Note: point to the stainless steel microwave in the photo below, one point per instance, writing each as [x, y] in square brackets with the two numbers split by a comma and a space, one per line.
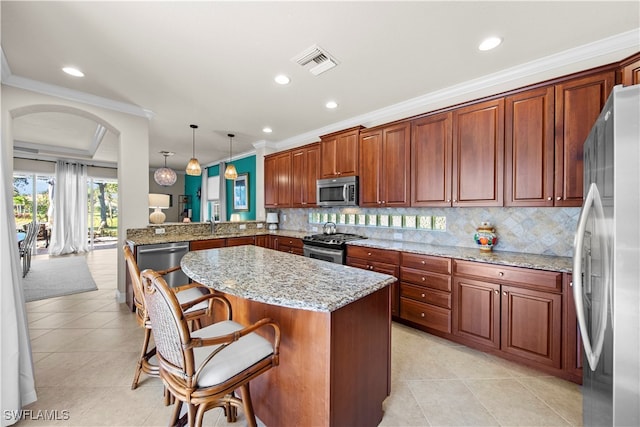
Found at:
[338, 191]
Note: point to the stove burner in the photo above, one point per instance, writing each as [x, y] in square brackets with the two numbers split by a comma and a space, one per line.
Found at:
[337, 240]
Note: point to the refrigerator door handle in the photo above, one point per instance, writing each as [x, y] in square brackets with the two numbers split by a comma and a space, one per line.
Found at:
[592, 201]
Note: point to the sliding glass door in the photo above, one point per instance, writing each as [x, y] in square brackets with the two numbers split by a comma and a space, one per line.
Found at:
[102, 213]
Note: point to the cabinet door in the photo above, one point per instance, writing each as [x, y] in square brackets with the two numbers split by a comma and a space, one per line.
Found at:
[431, 153]
[572, 341]
[395, 173]
[384, 268]
[476, 311]
[270, 182]
[262, 241]
[478, 154]
[339, 154]
[532, 325]
[305, 166]
[578, 105]
[529, 144]
[371, 161]
[630, 73]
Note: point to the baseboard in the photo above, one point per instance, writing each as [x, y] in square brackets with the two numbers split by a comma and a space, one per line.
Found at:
[120, 297]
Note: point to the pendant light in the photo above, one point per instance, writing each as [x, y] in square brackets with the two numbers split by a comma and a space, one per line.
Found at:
[230, 172]
[165, 176]
[193, 168]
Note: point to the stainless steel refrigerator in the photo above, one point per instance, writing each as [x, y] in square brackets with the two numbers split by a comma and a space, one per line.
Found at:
[606, 264]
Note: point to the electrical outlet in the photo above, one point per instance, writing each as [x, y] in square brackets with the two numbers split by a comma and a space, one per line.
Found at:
[284, 217]
[314, 228]
[397, 236]
[159, 230]
[242, 226]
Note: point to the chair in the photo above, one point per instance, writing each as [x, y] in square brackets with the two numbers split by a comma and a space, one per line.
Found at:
[203, 368]
[26, 247]
[201, 296]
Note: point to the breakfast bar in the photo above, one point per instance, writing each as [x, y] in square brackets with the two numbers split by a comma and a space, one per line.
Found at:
[335, 353]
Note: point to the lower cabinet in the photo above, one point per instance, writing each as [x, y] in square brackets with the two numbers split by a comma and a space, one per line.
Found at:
[292, 245]
[198, 245]
[239, 241]
[381, 261]
[514, 310]
[262, 240]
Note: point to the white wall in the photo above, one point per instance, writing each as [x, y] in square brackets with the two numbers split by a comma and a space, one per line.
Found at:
[133, 158]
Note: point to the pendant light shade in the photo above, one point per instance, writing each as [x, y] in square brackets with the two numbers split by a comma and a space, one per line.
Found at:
[193, 167]
[230, 172]
[165, 176]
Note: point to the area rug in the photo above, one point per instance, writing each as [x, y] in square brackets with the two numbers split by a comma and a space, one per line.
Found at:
[51, 277]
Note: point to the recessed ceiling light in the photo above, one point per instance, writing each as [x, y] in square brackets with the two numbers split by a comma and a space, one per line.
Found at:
[267, 130]
[72, 71]
[281, 79]
[490, 43]
[331, 105]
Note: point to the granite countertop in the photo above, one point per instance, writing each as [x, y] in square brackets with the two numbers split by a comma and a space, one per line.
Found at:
[281, 279]
[513, 259]
[186, 237]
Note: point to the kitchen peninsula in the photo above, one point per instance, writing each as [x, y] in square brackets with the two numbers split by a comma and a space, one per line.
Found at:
[336, 332]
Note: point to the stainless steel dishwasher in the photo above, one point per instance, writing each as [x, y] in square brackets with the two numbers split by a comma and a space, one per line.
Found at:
[163, 256]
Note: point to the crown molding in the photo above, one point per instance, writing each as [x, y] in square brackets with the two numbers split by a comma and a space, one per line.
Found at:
[605, 51]
[19, 82]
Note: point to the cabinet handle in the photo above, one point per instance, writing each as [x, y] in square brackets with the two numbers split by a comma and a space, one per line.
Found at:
[496, 292]
[500, 274]
[504, 293]
[423, 279]
[421, 314]
[339, 173]
[423, 262]
[423, 295]
[571, 284]
[558, 198]
[369, 253]
[448, 200]
[371, 267]
[454, 200]
[379, 202]
[549, 198]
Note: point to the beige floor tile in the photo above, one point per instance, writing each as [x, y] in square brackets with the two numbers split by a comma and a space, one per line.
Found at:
[401, 408]
[512, 404]
[32, 316]
[563, 396]
[55, 320]
[58, 339]
[450, 403]
[96, 319]
[35, 333]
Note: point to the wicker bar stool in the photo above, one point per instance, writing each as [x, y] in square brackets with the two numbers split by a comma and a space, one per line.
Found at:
[203, 368]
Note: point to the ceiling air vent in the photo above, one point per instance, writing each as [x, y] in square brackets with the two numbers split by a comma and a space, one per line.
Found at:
[315, 59]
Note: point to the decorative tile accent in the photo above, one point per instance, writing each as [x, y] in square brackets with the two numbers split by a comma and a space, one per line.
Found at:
[396, 220]
[440, 223]
[383, 220]
[342, 218]
[425, 222]
[361, 219]
[325, 217]
[316, 217]
[333, 217]
[372, 220]
[351, 219]
[409, 221]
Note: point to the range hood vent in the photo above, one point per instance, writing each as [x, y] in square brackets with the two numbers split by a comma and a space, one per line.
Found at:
[315, 59]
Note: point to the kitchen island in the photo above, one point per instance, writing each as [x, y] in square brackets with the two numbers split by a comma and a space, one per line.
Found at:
[335, 353]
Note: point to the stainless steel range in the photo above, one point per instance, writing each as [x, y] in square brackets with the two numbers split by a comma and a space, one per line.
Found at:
[328, 247]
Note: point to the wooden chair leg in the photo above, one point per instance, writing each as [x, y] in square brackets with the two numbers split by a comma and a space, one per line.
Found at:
[175, 417]
[248, 406]
[143, 355]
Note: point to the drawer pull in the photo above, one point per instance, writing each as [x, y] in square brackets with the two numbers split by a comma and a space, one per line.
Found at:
[422, 295]
[500, 274]
[504, 293]
[423, 262]
[369, 253]
[423, 279]
[421, 314]
[496, 291]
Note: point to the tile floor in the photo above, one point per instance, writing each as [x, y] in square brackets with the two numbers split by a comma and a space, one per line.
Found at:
[85, 348]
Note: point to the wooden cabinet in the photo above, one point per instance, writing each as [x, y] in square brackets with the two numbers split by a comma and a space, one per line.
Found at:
[514, 310]
[381, 261]
[292, 245]
[239, 241]
[478, 154]
[262, 240]
[529, 148]
[277, 180]
[198, 245]
[578, 103]
[339, 153]
[630, 70]
[384, 175]
[572, 358]
[431, 164]
[425, 292]
[305, 171]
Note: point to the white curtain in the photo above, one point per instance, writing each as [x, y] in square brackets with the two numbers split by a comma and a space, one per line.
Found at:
[69, 233]
[223, 193]
[204, 205]
[17, 387]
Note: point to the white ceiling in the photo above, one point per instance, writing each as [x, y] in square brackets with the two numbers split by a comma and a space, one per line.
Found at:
[213, 64]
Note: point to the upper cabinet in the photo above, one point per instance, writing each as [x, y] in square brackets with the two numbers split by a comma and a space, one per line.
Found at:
[528, 150]
[478, 154]
[305, 171]
[431, 165]
[277, 180]
[384, 175]
[339, 153]
[578, 103]
[630, 71]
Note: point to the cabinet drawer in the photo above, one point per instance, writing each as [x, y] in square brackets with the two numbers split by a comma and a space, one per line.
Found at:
[426, 262]
[238, 241]
[425, 314]
[537, 279]
[197, 245]
[441, 299]
[422, 278]
[290, 241]
[381, 255]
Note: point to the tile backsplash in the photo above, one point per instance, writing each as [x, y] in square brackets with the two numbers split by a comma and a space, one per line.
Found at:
[546, 231]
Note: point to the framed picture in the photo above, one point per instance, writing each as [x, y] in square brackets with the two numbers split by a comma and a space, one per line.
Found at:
[241, 192]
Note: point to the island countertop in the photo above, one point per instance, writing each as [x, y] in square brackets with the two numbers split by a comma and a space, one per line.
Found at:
[277, 278]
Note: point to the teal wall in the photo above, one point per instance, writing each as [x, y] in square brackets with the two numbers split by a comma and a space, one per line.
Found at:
[245, 165]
